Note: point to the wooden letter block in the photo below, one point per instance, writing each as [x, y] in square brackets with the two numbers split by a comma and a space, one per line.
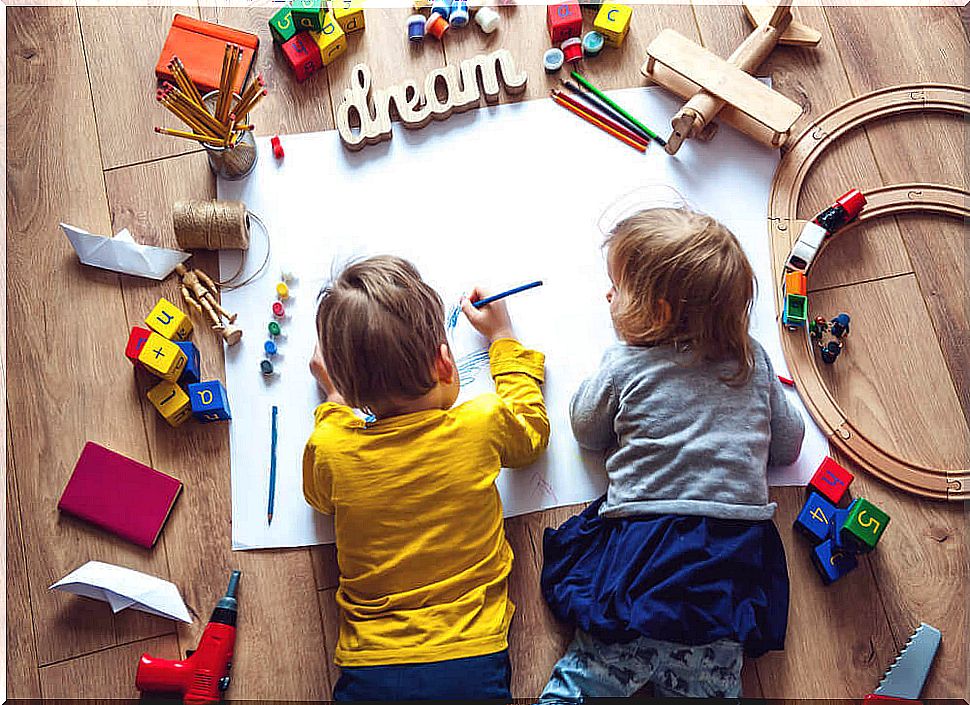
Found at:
[210, 402]
[162, 358]
[831, 480]
[193, 368]
[864, 526]
[835, 529]
[613, 22]
[281, 26]
[171, 402]
[331, 41]
[303, 56]
[814, 519]
[349, 14]
[564, 21]
[308, 14]
[169, 320]
[832, 563]
[136, 341]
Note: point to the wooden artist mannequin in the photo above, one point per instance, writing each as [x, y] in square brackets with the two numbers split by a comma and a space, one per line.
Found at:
[198, 291]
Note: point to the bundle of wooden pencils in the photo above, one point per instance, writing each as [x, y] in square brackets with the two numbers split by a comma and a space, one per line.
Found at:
[221, 123]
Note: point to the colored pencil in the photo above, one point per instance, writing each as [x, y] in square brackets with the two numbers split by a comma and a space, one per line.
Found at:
[593, 101]
[606, 99]
[272, 469]
[187, 135]
[622, 129]
[592, 120]
[496, 297]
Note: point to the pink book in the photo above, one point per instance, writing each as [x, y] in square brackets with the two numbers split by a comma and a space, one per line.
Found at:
[120, 495]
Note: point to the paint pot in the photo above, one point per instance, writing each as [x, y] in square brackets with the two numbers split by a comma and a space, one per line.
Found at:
[416, 28]
[278, 309]
[572, 49]
[459, 14]
[269, 347]
[553, 60]
[593, 43]
[436, 26]
[487, 19]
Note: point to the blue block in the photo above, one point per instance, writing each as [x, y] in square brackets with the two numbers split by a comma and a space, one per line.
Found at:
[193, 368]
[815, 518]
[835, 529]
[832, 563]
[209, 401]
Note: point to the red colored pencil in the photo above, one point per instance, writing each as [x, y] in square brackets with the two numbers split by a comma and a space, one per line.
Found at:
[622, 129]
[591, 119]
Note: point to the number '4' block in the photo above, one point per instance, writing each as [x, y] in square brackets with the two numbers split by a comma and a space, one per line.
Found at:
[209, 401]
[308, 14]
[613, 22]
[832, 563]
[349, 14]
[864, 525]
[564, 21]
[136, 341]
[815, 518]
[193, 368]
[331, 41]
[281, 26]
[303, 56]
[831, 480]
[172, 403]
[162, 357]
[169, 320]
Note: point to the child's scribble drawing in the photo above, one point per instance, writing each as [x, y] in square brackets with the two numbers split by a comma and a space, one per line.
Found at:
[470, 365]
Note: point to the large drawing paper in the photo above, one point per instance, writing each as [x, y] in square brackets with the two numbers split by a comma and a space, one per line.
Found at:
[498, 196]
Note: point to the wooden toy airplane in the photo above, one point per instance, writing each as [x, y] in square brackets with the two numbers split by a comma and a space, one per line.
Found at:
[725, 88]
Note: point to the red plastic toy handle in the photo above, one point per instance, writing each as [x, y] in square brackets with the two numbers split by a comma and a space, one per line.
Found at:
[161, 675]
[888, 699]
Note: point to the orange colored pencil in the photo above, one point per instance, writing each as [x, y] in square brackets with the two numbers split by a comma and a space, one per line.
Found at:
[602, 118]
[591, 119]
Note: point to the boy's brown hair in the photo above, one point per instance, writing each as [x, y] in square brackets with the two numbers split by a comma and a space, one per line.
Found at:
[689, 262]
[380, 328]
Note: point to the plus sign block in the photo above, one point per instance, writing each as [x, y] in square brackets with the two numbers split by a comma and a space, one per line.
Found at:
[171, 402]
[330, 40]
[613, 22]
[169, 320]
[162, 358]
[564, 21]
[210, 402]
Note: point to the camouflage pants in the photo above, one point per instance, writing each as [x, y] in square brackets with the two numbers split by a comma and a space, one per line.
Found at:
[592, 668]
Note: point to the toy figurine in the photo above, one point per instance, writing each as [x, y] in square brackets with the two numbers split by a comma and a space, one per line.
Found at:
[199, 292]
[838, 328]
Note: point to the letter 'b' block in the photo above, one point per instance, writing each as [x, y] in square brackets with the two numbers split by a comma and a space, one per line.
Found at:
[564, 21]
[331, 41]
[303, 56]
[172, 403]
[210, 402]
[162, 358]
[169, 320]
[613, 22]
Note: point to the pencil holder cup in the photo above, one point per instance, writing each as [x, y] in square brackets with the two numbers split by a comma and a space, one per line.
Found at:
[234, 162]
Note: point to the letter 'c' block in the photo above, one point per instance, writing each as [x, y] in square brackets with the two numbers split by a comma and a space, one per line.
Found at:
[613, 22]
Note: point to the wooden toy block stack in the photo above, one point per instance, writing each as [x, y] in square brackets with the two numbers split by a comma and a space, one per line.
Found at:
[163, 349]
[838, 529]
[312, 35]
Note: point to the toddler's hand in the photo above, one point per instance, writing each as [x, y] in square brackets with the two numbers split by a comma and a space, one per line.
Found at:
[318, 368]
[492, 320]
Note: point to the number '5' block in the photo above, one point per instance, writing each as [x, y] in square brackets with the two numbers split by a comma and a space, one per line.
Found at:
[210, 402]
[331, 41]
[613, 22]
[814, 519]
[162, 357]
[564, 21]
[864, 526]
[169, 320]
[172, 403]
[831, 480]
[281, 26]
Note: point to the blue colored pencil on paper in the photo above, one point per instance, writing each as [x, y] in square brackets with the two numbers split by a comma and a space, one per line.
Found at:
[516, 290]
[272, 471]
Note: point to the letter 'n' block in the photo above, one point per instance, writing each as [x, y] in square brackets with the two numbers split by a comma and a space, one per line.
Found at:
[564, 21]
[831, 480]
[210, 402]
[169, 320]
[171, 402]
[303, 56]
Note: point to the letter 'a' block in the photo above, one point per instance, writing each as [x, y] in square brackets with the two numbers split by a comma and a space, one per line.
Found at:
[282, 26]
[814, 519]
[303, 56]
[349, 14]
[136, 341]
[169, 320]
[864, 526]
[162, 358]
[308, 14]
[832, 563]
[330, 40]
[564, 21]
[171, 402]
[210, 402]
[613, 22]
[831, 480]
[193, 368]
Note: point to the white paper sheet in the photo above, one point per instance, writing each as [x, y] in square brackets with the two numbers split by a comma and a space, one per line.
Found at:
[498, 196]
[122, 588]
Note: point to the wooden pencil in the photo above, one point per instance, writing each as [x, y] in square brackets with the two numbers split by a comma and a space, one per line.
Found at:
[245, 110]
[600, 124]
[599, 105]
[223, 78]
[208, 139]
[193, 89]
[585, 82]
[622, 129]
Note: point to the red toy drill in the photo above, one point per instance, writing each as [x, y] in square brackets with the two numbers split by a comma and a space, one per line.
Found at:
[204, 674]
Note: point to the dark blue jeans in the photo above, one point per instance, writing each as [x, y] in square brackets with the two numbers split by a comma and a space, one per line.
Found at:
[472, 678]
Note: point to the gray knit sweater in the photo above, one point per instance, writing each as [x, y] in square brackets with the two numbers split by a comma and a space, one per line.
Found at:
[681, 441]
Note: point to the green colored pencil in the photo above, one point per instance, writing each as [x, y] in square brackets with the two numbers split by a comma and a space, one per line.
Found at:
[606, 99]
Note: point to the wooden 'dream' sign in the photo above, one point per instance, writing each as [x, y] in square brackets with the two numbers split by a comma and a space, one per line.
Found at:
[464, 86]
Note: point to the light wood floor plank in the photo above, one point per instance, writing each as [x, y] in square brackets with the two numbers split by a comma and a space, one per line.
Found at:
[59, 397]
[330, 615]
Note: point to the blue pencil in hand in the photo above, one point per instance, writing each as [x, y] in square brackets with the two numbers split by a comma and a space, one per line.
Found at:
[525, 287]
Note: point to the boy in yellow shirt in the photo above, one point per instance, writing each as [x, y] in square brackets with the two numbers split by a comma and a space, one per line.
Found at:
[421, 547]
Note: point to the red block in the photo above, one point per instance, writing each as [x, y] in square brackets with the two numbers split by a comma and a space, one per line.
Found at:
[136, 341]
[303, 56]
[277, 147]
[564, 21]
[831, 480]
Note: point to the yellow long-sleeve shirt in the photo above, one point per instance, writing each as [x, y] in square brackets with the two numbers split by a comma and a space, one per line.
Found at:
[420, 541]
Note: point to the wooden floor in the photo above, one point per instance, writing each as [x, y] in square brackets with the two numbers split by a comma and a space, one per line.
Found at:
[80, 149]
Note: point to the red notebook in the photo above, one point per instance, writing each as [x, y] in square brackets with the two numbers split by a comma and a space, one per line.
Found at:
[120, 495]
[201, 46]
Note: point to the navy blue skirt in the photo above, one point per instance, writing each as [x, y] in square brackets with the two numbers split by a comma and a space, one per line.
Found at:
[686, 579]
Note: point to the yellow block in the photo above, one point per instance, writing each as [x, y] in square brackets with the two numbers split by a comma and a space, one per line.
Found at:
[331, 40]
[169, 320]
[172, 403]
[162, 358]
[349, 14]
[613, 22]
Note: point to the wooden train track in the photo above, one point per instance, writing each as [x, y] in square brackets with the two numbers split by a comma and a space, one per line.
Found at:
[784, 227]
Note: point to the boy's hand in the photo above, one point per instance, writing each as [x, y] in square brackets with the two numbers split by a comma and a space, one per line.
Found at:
[492, 320]
[318, 368]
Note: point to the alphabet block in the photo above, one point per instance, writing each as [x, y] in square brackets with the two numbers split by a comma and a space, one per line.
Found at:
[136, 341]
[613, 22]
[832, 563]
[162, 358]
[308, 14]
[282, 26]
[210, 402]
[349, 14]
[303, 55]
[193, 368]
[169, 320]
[831, 480]
[564, 21]
[171, 402]
[815, 518]
[864, 525]
[330, 40]
[835, 529]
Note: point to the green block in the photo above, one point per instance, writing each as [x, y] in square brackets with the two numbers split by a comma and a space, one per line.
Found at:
[796, 310]
[308, 14]
[281, 26]
[864, 525]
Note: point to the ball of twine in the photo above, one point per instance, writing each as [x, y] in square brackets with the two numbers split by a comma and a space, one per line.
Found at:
[211, 225]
